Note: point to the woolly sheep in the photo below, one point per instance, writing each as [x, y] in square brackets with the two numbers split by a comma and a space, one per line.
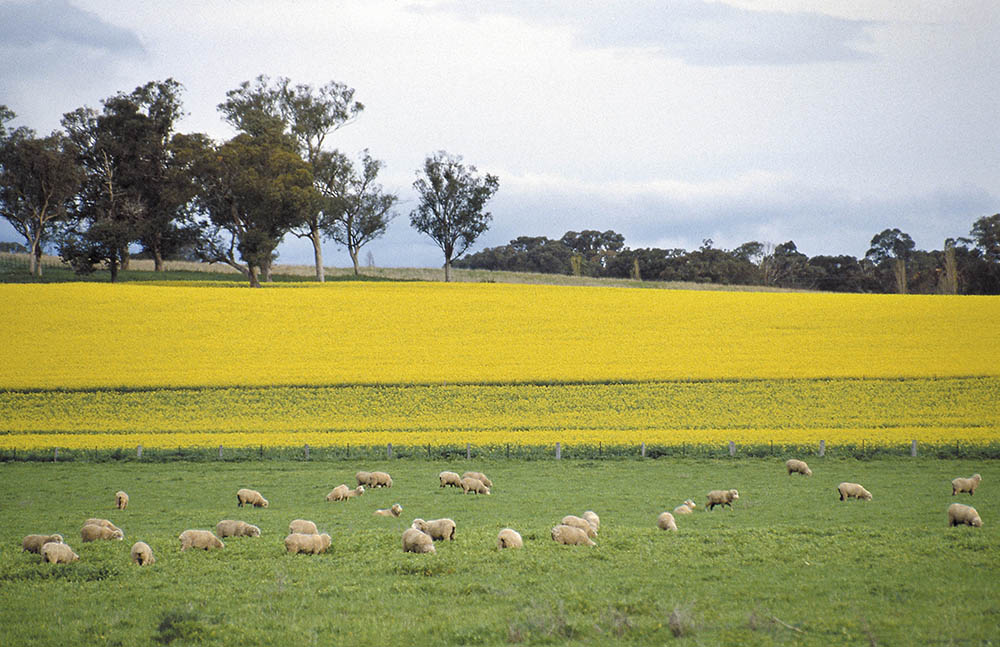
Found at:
[91, 532]
[58, 553]
[253, 497]
[34, 543]
[479, 476]
[203, 539]
[142, 554]
[686, 508]
[311, 544]
[390, 512]
[666, 522]
[470, 484]
[233, 528]
[848, 490]
[579, 522]
[438, 529]
[104, 523]
[722, 497]
[571, 536]
[343, 493]
[381, 479]
[302, 527]
[509, 538]
[450, 478]
[795, 466]
[121, 500]
[969, 485]
[959, 514]
[415, 541]
[364, 478]
[592, 518]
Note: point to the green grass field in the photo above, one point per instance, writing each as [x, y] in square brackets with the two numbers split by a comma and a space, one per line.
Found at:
[790, 565]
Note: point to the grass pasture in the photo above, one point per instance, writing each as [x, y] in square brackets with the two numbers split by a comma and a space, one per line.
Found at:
[790, 565]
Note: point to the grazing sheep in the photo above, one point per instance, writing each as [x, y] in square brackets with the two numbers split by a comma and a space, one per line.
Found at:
[142, 554]
[592, 518]
[959, 514]
[253, 497]
[509, 538]
[848, 490]
[231, 528]
[381, 479]
[34, 543]
[104, 523]
[58, 553]
[686, 508]
[722, 497]
[666, 522]
[969, 485]
[450, 478]
[470, 484]
[390, 512]
[343, 493]
[311, 544]
[415, 541]
[571, 536]
[438, 529]
[203, 539]
[91, 532]
[795, 466]
[364, 478]
[479, 476]
[302, 527]
[121, 500]
[579, 522]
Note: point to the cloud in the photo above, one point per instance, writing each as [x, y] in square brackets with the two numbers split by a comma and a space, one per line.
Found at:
[47, 22]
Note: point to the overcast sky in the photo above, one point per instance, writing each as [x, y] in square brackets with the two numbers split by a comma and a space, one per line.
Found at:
[817, 121]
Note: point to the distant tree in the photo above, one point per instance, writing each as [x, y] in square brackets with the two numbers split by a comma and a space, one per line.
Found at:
[892, 247]
[452, 198]
[986, 236]
[595, 248]
[12, 248]
[839, 274]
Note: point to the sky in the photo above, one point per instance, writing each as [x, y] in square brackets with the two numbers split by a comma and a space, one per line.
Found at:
[822, 122]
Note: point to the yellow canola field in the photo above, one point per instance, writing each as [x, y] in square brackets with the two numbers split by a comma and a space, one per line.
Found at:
[74, 336]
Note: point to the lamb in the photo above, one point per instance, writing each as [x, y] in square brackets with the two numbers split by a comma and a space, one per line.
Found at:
[104, 523]
[582, 524]
[474, 485]
[253, 497]
[509, 538]
[848, 490]
[796, 466]
[686, 508]
[311, 544]
[203, 539]
[90, 532]
[121, 500]
[969, 485]
[571, 536]
[302, 527]
[479, 476]
[450, 478]
[58, 553]
[343, 493]
[142, 554]
[592, 518]
[390, 512]
[381, 479]
[666, 522]
[231, 528]
[364, 478]
[722, 497]
[34, 543]
[415, 541]
[438, 529]
[959, 514]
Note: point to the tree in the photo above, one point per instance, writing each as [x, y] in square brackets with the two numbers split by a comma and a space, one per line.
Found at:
[355, 210]
[892, 246]
[986, 235]
[452, 199]
[595, 248]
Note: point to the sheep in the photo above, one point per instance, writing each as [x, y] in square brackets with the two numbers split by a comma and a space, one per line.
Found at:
[666, 522]
[203, 539]
[592, 518]
[381, 479]
[58, 553]
[509, 538]
[582, 524]
[479, 476]
[232, 528]
[121, 500]
[415, 541]
[450, 478]
[571, 536]
[390, 512]
[104, 523]
[343, 493]
[959, 514]
[298, 542]
[969, 485]
[302, 527]
[253, 497]
[686, 508]
[364, 478]
[474, 485]
[438, 529]
[848, 490]
[795, 466]
[722, 497]
[34, 543]
[90, 532]
[142, 554]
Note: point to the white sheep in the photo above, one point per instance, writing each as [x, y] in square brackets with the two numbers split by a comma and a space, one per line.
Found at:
[233, 528]
[969, 485]
[302, 527]
[571, 536]
[509, 538]
[450, 479]
[686, 508]
[415, 541]
[666, 522]
[343, 493]
[470, 484]
[592, 519]
[93, 521]
[142, 554]
[91, 532]
[581, 523]
[364, 478]
[849, 490]
[722, 497]
[58, 553]
[394, 511]
[121, 500]
[34, 543]
[203, 539]
[381, 479]
[959, 514]
[795, 466]
[438, 529]
[310, 544]
[479, 476]
[253, 497]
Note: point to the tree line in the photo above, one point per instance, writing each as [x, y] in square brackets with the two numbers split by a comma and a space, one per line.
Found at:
[122, 177]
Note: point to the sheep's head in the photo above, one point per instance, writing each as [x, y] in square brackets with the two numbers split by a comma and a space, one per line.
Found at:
[419, 524]
[359, 490]
[263, 503]
[977, 478]
[396, 509]
[253, 531]
[866, 495]
[118, 534]
[734, 494]
[691, 504]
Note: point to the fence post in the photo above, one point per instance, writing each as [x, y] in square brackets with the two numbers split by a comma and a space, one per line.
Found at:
[822, 448]
[388, 450]
[428, 450]
[508, 450]
[307, 451]
[558, 451]
[732, 448]
[468, 452]
[138, 452]
[643, 452]
[55, 455]
[913, 448]
[220, 452]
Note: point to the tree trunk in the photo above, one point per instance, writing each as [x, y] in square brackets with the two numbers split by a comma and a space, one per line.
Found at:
[124, 256]
[113, 266]
[950, 270]
[317, 254]
[265, 271]
[447, 270]
[33, 258]
[157, 260]
[354, 258]
[900, 272]
[254, 281]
